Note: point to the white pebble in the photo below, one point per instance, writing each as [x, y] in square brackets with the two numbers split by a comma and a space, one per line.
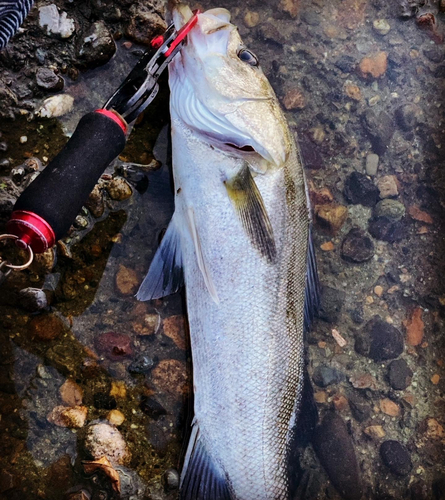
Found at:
[23, 139]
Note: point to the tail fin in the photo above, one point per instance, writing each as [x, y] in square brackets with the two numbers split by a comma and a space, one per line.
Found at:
[202, 478]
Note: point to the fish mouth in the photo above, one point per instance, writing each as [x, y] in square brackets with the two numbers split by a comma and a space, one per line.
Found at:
[246, 148]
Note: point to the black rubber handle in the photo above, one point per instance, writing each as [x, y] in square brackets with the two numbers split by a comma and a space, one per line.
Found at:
[59, 192]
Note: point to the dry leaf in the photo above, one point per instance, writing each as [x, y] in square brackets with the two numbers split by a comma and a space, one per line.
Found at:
[104, 465]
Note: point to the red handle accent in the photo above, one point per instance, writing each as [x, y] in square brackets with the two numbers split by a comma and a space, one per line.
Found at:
[31, 230]
[115, 117]
[183, 32]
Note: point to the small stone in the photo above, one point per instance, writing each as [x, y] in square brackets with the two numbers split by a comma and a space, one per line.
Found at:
[380, 129]
[375, 432]
[170, 376]
[251, 19]
[386, 229]
[171, 479]
[46, 327]
[391, 209]
[328, 246]
[149, 326]
[335, 450]
[359, 189]
[175, 327]
[95, 203]
[353, 92]
[46, 79]
[115, 346]
[363, 381]
[346, 63]
[119, 189]
[103, 401]
[414, 327]
[340, 402]
[320, 397]
[357, 246]
[103, 439]
[144, 23]
[73, 418]
[373, 67]
[115, 417]
[141, 364]
[331, 216]
[291, 7]
[325, 375]
[360, 410]
[372, 164]
[388, 186]
[434, 53]
[96, 45]
[379, 340]
[56, 105]
[118, 389]
[332, 301]
[33, 299]
[435, 379]
[419, 215]
[127, 281]
[408, 116]
[390, 408]
[152, 408]
[378, 290]
[78, 495]
[399, 374]
[23, 139]
[56, 24]
[396, 457]
[431, 429]
[294, 99]
[381, 26]
[71, 393]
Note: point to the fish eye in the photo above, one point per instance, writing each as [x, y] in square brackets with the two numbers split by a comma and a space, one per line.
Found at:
[248, 57]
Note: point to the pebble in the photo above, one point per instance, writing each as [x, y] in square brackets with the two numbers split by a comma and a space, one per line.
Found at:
[375, 432]
[7, 481]
[360, 410]
[325, 375]
[115, 417]
[328, 246]
[119, 189]
[103, 401]
[414, 327]
[331, 216]
[103, 439]
[294, 99]
[291, 7]
[435, 379]
[379, 340]
[399, 374]
[434, 53]
[357, 246]
[56, 23]
[17, 174]
[359, 189]
[396, 457]
[141, 364]
[127, 281]
[71, 393]
[408, 116]
[390, 408]
[363, 381]
[378, 290]
[46, 327]
[118, 389]
[33, 299]
[382, 228]
[115, 346]
[96, 45]
[144, 23]
[372, 164]
[353, 92]
[251, 19]
[149, 326]
[170, 376]
[175, 327]
[373, 67]
[152, 408]
[331, 304]
[346, 63]
[388, 186]
[23, 139]
[431, 429]
[335, 450]
[171, 479]
[79, 495]
[419, 215]
[56, 105]
[95, 203]
[391, 209]
[73, 418]
[48, 80]
[381, 26]
[380, 129]
[340, 402]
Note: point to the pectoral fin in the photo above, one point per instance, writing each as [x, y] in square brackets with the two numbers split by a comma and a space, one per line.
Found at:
[249, 206]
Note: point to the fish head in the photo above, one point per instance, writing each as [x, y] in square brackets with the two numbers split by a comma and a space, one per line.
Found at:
[219, 90]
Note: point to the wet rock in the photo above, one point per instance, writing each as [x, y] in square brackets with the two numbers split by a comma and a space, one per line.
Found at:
[8, 100]
[60, 473]
[381, 26]
[95, 203]
[434, 53]
[353, 92]
[127, 281]
[73, 418]
[396, 457]
[294, 99]
[96, 45]
[331, 216]
[325, 375]
[17, 174]
[46, 327]
[359, 189]
[372, 164]
[346, 63]
[379, 340]
[391, 209]
[375, 432]
[310, 17]
[408, 116]
[71, 393]
[373, 67]
[170, 479]
[114, 346]
[332, 301]
[115, 417]
[170, 376]
[48, 80]
[251, 19]
[414, 327]
[389, 408]
[417, 214]
[118, 389]
[145, 23]
[360, 409]
[56, 24]
[175, 327]
[78, 495]
[119, 189]
[149, 326]
[312, 157]
[388, 186]
[56, 105]
[141, 364]
[363, 381]
[386, 229]
[103, 401]
[399, 374]
[357, 246]
[335, 450]
[380, 129]
[420, 491]
[152, 408]
[103, 439]
[33, 299]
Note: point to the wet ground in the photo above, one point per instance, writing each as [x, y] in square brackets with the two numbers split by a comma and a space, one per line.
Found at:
[87, 371]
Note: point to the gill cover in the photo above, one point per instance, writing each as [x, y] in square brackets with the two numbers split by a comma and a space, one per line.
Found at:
[221, 97]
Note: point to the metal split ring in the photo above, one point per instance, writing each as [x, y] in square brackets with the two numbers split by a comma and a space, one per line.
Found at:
[13, 267]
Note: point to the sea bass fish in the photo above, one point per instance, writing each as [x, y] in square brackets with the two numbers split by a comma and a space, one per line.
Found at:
[239, 240]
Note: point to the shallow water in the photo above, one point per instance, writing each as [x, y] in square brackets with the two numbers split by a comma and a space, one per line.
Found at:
[134, 357]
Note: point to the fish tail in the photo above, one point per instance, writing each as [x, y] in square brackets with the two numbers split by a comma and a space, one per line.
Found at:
[12, 15]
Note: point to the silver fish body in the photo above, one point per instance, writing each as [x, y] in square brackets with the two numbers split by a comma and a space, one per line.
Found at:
[245, 303]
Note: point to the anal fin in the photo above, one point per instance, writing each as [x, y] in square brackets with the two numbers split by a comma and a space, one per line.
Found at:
[312, 291]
